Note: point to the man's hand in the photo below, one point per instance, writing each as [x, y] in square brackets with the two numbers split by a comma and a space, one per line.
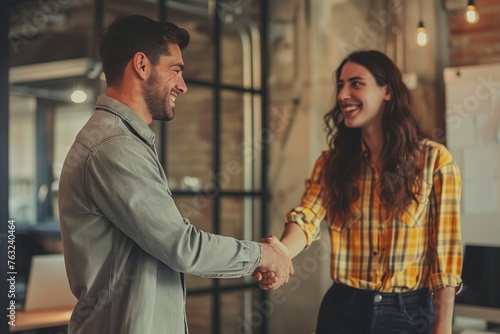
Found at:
[275, 267]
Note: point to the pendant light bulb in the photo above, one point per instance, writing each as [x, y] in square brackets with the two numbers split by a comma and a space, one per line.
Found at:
[471, 14]
[422, 37]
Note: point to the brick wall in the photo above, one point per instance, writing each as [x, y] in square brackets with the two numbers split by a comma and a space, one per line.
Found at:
[475, 43]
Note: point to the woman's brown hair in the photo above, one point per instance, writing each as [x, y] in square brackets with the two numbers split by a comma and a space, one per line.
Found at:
[401, 172]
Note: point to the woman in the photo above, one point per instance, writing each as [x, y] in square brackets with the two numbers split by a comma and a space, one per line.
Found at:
[391, 201]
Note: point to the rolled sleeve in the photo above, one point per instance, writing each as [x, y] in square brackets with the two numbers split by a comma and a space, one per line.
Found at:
[439, 281]
[447, 263]
[311, 212]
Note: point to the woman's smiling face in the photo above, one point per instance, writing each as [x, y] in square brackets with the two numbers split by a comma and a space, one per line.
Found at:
[360, 98]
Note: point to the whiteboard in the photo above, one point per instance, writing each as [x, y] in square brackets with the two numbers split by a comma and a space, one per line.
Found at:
[473, 137]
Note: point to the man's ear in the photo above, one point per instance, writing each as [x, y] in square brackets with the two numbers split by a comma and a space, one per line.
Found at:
[141, 65]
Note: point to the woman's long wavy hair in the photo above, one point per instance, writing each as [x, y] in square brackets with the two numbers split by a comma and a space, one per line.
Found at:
[401, 172]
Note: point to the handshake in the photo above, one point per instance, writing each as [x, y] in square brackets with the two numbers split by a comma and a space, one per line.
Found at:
[275, 267]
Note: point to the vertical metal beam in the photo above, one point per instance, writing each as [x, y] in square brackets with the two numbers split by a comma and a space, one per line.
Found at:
[98, 24]
[442, 61]
[162, 127]
[265, 124]
[216, 135]
[4, 158]
[400, 37]
[162, 4]
[97, 86]
[42, 182]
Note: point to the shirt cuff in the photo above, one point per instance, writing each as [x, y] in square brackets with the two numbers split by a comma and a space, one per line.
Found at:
[443, 280]
[255, 250]
[298, 218]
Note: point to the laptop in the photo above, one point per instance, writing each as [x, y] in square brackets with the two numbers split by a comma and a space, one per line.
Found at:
[48, 286]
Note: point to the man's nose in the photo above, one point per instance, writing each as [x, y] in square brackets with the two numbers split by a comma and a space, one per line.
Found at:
[181, 85]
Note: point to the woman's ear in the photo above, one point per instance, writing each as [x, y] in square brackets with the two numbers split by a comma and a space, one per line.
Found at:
[388, 95]
[141, 65]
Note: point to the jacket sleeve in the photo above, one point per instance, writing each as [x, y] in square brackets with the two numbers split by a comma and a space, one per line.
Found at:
[124, 184]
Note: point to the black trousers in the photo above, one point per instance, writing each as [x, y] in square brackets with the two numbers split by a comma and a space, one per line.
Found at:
[346, 310]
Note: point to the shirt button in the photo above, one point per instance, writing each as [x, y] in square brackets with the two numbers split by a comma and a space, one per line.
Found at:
[377, 298]
[380, 228]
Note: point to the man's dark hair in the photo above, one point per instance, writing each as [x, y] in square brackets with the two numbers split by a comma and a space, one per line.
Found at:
[131, 34]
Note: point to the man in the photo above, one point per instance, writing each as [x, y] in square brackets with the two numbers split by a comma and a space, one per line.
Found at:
[126, 245]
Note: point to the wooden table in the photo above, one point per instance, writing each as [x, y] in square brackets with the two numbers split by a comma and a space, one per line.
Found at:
[28, 320]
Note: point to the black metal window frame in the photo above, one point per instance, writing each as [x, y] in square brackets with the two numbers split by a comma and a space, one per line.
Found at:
[4, 158]
[216, 289]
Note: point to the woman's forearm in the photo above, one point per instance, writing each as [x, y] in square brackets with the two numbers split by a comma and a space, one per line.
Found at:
[444, 300]
[294, 239]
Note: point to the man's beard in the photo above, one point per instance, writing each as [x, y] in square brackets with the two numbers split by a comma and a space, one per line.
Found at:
[156, 100]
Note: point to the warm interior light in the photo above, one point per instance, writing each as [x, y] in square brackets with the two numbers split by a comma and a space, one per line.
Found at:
[471, 14]
[78, 96]
[422, 38]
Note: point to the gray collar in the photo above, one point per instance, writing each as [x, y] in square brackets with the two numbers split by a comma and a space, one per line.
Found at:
[127, 115]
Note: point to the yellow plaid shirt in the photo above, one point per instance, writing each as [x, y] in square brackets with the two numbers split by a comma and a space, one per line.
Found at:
[420, 249]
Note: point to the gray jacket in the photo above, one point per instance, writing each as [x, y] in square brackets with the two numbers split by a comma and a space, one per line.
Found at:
[125, 243]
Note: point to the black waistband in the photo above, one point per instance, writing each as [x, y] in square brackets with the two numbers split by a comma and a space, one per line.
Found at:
[361, 296]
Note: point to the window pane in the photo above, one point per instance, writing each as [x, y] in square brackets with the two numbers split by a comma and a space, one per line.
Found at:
[240, 219]
[242, 311]
[232, 306]
[117, 8]
[52, 86]
[199, 314]
[41, 31]
[194, 283]
[240, 140]
[188, 143]
[236, 54]
[22, 200]
[198, 56]
[68, 121]
[198, 209]
[252, 12]
[240, 42]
